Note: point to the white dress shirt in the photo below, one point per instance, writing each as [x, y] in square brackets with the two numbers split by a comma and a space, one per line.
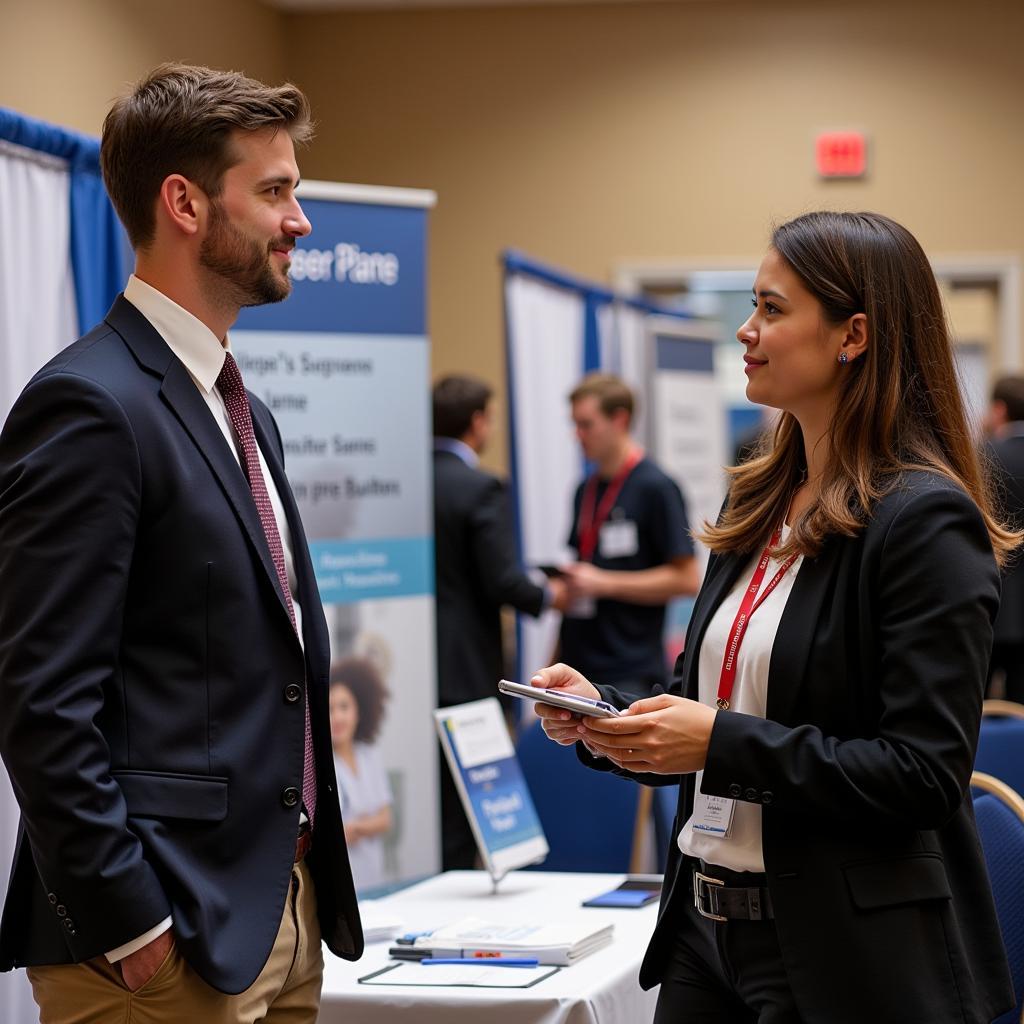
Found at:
[457, 447]
[202, 353]
[741, 849]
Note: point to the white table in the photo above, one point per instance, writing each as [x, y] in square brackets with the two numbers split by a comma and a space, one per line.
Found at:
[600, 989]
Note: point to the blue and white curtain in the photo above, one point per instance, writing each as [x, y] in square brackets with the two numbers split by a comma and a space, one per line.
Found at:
[63, 259]
[558, 328]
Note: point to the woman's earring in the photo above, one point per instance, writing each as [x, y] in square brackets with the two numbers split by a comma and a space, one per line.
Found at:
[843, 358]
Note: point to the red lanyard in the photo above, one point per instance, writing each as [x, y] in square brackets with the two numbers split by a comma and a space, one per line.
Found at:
[750, 603]
[588, 527]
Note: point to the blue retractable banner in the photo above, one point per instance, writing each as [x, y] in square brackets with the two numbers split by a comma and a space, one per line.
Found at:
[344, 365]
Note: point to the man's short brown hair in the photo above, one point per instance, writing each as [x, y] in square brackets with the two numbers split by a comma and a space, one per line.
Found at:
[179, 120]
[456, 400]
[611, 392]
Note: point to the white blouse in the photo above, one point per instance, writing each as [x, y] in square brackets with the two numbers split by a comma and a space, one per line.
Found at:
[740, 850]
[363, 792]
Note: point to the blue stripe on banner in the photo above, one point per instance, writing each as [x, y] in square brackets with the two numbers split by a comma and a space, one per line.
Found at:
[653, 309]
[685, 354]
[517, 263]
[591, 334]
[364, 570]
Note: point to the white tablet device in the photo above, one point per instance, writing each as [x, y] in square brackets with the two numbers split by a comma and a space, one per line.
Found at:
[559, 699]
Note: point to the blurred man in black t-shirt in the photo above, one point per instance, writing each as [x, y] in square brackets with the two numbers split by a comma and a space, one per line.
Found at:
[632, 537]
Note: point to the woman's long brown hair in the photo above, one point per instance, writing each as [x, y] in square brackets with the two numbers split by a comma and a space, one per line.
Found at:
[898, 406]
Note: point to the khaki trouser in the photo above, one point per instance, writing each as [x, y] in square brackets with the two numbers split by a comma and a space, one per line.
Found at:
[287, 990]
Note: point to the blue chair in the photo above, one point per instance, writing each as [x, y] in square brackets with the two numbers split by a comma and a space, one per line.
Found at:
[1001, 743]
[588, 817]
[999, 812]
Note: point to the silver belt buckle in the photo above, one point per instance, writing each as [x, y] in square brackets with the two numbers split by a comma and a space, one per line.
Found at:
[708, 881]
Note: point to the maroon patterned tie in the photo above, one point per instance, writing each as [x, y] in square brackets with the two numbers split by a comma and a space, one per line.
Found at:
[232, 390]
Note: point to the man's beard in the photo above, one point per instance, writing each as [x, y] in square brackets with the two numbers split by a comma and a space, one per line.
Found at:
[243, 263]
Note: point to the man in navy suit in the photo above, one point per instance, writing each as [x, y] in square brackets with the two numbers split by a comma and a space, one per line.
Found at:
[163, 652]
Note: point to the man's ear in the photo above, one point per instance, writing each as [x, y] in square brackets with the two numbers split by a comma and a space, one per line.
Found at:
[854, 342]
[182, 204]
[479, 422]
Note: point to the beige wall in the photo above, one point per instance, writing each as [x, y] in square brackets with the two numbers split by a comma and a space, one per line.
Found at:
[65, 60]
[594, 136]
[590, 137]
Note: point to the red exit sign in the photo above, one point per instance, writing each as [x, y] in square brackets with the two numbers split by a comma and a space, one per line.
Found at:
[841, 154]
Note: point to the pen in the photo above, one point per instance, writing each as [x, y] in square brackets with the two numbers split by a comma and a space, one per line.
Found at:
[485, 961]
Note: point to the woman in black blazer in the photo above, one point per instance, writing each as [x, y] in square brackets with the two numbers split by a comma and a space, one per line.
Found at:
[827, 868]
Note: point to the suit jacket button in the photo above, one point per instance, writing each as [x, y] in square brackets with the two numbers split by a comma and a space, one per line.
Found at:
[767, 796]
[290, 797]
[735, 789]
[52, 897]
[62, 911]
[292, 692]
[751, 794]
[69, 924]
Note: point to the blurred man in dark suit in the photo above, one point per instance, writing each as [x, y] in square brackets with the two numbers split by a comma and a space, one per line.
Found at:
[1005, 427]
[478, 571]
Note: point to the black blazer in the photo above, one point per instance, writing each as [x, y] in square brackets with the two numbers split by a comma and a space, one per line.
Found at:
[150, 678]
[881, 895]
[1008, 460]
[478, 571]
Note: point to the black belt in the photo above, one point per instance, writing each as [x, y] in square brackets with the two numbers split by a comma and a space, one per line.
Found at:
[718, 900]
[303, 843]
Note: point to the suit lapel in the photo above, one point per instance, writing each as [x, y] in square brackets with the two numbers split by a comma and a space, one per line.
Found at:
[796, 631]
[182, 396]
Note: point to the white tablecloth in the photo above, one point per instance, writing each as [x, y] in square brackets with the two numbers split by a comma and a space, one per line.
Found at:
[600, 989]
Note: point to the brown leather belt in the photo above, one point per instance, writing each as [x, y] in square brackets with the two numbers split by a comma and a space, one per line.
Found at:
[303, 843]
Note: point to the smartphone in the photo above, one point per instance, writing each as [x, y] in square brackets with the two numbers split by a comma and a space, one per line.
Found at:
[551, 571]
[558, 699]
[636, 891]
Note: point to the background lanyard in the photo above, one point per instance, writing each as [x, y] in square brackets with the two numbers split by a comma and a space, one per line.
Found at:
[588, 527]
[750, 603]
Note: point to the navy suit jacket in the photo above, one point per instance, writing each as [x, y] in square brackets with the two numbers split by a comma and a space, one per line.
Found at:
[882, 901]
[150, 678]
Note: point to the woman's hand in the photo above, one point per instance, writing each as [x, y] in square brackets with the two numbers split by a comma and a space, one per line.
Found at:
[665, 735]
[559, 724]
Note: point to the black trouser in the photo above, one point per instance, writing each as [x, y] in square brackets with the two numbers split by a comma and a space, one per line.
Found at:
[1009, 657]
[727, 972]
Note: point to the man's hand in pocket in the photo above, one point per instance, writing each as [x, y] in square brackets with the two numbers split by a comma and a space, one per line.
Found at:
[137, 968]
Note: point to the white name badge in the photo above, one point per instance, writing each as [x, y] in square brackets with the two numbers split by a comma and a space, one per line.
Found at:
[582, 608]
[712, 815]
[619, 539]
